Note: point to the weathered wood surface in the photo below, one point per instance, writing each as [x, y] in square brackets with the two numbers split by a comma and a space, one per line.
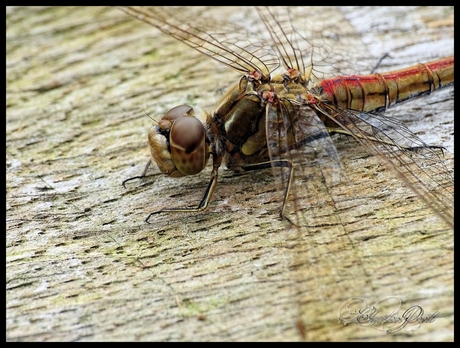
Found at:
[81, 264]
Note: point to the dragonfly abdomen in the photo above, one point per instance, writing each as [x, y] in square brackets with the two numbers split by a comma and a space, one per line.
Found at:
[377, 92]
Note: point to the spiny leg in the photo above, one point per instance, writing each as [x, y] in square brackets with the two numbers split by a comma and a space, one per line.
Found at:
[140, 176]
[203, 204]
[213, 183]
[278, 164]
[409, 148]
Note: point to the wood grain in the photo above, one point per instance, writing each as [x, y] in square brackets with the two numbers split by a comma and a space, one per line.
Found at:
[81, 264]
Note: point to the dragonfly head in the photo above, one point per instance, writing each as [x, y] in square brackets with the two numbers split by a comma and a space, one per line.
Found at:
[178, 143]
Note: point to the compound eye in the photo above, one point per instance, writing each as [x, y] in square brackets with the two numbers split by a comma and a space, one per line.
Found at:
[177, 112]
[171, 116]
[189, 150]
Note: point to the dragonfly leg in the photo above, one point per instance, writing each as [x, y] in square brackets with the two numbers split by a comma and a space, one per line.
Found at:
[409, 148]
[279, 164]
[203, 204]
[140, 176]
[386, 55]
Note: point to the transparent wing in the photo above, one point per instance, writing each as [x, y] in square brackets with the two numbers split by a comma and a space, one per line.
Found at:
[228, 46]
[316, 41]
[307, 39]
[418, 165]
[291, 127]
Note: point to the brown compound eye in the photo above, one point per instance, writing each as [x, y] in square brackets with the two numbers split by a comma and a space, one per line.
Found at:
[189, 150]
[178, 111]
[178, 143]
[171, 116]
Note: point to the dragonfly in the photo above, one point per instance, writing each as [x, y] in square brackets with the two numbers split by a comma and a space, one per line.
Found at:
[265, 118]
